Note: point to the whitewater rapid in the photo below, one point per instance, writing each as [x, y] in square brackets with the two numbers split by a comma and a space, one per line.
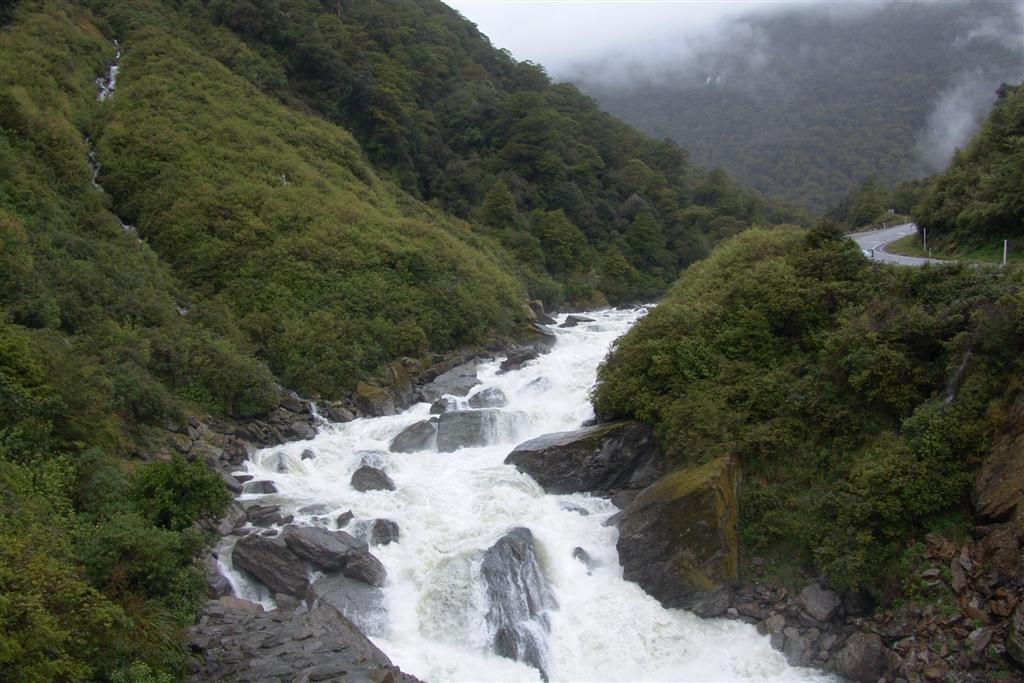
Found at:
[451, 507]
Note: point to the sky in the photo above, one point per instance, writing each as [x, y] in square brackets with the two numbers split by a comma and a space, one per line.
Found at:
[561, 33]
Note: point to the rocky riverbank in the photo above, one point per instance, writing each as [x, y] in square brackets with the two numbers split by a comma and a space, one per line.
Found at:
[308, 636]
[964, 620]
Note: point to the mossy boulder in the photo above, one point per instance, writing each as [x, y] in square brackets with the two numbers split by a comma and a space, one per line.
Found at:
[373, 401]
[603, 458]
[679, 538]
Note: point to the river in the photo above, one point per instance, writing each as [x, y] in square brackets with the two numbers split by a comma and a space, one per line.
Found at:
[451, 507]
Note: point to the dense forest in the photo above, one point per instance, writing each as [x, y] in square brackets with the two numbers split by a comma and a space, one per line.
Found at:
[277, 194]
[813, 101]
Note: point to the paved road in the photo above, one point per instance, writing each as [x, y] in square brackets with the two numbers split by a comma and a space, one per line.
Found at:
[875, 241]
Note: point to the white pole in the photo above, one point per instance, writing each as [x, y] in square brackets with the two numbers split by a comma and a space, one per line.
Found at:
[1005, 244]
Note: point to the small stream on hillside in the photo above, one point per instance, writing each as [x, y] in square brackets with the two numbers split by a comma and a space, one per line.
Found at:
[451, 507]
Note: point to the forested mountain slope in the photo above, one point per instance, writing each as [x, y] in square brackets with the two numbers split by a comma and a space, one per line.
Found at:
[979, 198]
[806, 103]
[236, 236]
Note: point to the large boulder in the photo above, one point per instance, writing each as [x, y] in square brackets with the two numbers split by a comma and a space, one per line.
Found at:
[519, 599]
[259, 487]
[862, 658]
[679, 538]
[457, 382]
[465, 428]
[574, 320]
[605, 457]
[419, 436]
[492, 397]
[820, 603]
[238, 641]
[373, 401]
[272, 563]
[335, 551]
[368, 478]
[361, 603]
[384, 531]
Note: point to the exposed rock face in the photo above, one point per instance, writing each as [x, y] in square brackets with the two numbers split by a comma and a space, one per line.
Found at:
[272, 563]
[329, 550]
[464, 428]
[679, 538]
[458, 381]
[516, 359]
[519, 598]
[236, 640]
[605, 457]
[360, 602]
[373, 401]
[862, 658]
[999, 490]
[368, 478]
[416, 437]
[492, 397]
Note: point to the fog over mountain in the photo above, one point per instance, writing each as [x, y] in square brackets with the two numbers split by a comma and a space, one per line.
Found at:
[797, 99]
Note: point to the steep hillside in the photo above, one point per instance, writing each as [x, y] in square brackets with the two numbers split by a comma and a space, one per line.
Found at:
[582, 200]
[806, 103]
[857, 398]
[979, 198]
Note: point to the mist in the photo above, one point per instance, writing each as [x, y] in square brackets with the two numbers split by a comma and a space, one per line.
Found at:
[746, 48]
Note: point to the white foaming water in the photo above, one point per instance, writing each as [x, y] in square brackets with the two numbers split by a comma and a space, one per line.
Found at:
[451, 507]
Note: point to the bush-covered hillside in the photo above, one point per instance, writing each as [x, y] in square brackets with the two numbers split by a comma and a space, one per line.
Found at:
[979, 198]
[857, 397]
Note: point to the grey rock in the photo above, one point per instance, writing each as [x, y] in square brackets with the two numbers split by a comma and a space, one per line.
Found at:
[605, 457]
[264, 515]
[337, 412]
[584, 557]
[572, 507]
[457, 382]
[442, 405]
[286, 601]
[862, 658]
[308, 454]
[537, 337]
[272, 563]
[234, 517]
[519, 598]
[368, 478]
[328, 550]
[360, 602]
[574, 320]
[516, 359]
[231, 484]
[314, 509]
[236, 640]
[344, 518]
[217, 585]
[419, 436]
[465, 429]
[261, 487]
[383, 531]
[492, 397]
[819, 602]
[797, 649]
